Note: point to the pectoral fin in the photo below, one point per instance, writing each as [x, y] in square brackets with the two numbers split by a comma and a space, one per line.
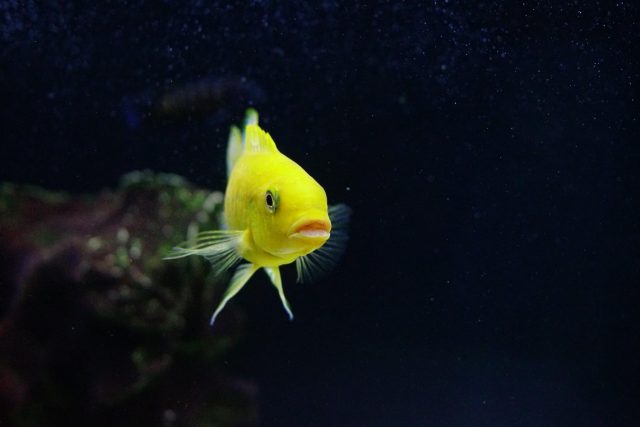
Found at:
[240, 277]
[316, 264]
[220, 247]
[276, 279]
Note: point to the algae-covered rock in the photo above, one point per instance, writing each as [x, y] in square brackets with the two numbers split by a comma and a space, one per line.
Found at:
[95, 328]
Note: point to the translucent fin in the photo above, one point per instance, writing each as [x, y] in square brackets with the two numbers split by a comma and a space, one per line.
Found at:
[240, 278]
[250, 117]
[236, 141]
[257, 140]
[276, 279]
[218, 246]
[234, 148]
[318, 263]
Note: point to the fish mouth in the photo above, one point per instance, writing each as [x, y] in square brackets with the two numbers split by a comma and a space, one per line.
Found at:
[311, 229]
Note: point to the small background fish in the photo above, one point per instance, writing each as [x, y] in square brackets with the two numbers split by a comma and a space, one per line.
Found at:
[199, 99]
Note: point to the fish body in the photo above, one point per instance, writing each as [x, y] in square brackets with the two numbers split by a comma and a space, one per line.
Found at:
[275, 213]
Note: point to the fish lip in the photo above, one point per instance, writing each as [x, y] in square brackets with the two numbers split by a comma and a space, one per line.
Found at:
[310, 229]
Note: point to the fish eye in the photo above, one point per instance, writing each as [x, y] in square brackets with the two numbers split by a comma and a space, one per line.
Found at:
[271, 202]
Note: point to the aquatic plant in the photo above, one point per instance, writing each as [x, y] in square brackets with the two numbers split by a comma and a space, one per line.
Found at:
[95, 328]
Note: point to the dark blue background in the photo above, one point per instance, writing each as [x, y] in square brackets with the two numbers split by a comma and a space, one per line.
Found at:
[489, 152]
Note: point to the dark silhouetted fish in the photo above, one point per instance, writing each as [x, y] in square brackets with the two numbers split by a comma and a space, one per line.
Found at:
[195, 100]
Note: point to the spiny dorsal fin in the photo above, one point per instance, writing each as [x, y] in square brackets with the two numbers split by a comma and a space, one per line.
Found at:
[250, 117]
[235, 143]
[234, 148]
[257, 140]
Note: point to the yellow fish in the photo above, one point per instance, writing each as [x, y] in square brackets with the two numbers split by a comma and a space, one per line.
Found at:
[275, 214]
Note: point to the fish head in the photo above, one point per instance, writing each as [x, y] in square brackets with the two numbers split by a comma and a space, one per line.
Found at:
[292, 217]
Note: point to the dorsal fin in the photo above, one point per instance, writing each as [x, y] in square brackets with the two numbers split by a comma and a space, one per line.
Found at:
[234, 148]
[257, 140]
[250, 117]
[236, 141]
